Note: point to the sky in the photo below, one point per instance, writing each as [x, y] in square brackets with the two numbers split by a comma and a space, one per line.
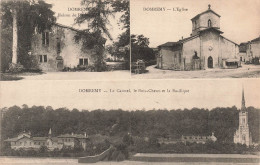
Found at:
[64, 7]
[240, 20]
[203, 93]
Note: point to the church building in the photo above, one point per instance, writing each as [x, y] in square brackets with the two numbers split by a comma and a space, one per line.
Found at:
[205, 48]
[242, 134]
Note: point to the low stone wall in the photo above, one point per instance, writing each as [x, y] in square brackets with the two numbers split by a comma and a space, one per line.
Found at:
[96, 158]
[231, 158]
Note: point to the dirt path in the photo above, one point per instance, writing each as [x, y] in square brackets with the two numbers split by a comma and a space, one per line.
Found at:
[113, 75]
[246, 71]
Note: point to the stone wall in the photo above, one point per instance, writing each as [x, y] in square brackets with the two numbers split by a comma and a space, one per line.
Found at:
[189, 48]
[255, 49]
[210, 48]
[70, 51]
[170, 58]
[203, 20]
[228, 49]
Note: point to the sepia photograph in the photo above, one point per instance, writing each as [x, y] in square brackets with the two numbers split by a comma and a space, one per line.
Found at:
[65, 40]
[129, 82]
[195, 39]
[172, 123]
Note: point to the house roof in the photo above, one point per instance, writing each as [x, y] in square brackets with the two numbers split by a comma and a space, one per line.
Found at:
[39, 138]
[55, 139]
[256, 39]
[188, 38]
[11, 139]
[209, 10]
[169, 44]
[229, 40]
[72, 136]
[213, 29]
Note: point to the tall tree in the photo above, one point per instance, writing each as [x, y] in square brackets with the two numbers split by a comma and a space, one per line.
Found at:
[24, 17]
[140, 49]
[124, 38]
[97, 16]
[15, 36]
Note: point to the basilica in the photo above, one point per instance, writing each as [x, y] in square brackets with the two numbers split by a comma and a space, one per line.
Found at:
[205, 47]
[242, 134]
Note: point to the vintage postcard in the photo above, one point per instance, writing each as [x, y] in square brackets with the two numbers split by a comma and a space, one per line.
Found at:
[195, 39]
[129, 82]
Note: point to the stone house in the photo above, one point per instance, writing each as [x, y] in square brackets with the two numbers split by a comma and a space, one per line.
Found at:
[56, 49]
[253, 51]
[25, 141]
[190, 139]
[250, 51]
[205, 48]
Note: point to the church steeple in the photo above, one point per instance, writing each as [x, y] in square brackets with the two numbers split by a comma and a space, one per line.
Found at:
[242, 134]
[243, 104]
[50, 132]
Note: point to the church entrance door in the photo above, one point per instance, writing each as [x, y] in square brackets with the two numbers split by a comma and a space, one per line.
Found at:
[210, 62]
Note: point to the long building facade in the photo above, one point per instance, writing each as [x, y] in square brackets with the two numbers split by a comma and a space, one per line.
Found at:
[25, 141]
[205, 48]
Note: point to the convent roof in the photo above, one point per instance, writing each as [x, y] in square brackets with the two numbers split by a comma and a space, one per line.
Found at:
[72, 136]
[256, 39]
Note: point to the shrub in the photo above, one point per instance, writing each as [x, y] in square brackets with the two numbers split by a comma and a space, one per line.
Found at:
[15, 68]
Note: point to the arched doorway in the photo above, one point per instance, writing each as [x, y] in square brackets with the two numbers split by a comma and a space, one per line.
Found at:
[210, 62]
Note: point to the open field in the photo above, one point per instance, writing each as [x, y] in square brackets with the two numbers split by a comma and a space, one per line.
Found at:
[246, 71]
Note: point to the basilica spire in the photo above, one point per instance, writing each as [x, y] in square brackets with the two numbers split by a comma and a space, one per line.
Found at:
[243, 105]
[50, 133]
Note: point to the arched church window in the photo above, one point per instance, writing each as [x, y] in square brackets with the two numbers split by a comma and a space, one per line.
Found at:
[209, 23]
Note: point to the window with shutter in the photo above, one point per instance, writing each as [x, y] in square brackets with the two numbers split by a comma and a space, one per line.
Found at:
[44, 58]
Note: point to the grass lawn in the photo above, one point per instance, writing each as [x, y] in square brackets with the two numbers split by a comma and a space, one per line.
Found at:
[9, 77]
[16, 76]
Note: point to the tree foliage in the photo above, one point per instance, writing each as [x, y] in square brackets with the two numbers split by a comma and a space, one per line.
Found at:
[31, 16]
[140, 49]
[97, 17]
[154, 123]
